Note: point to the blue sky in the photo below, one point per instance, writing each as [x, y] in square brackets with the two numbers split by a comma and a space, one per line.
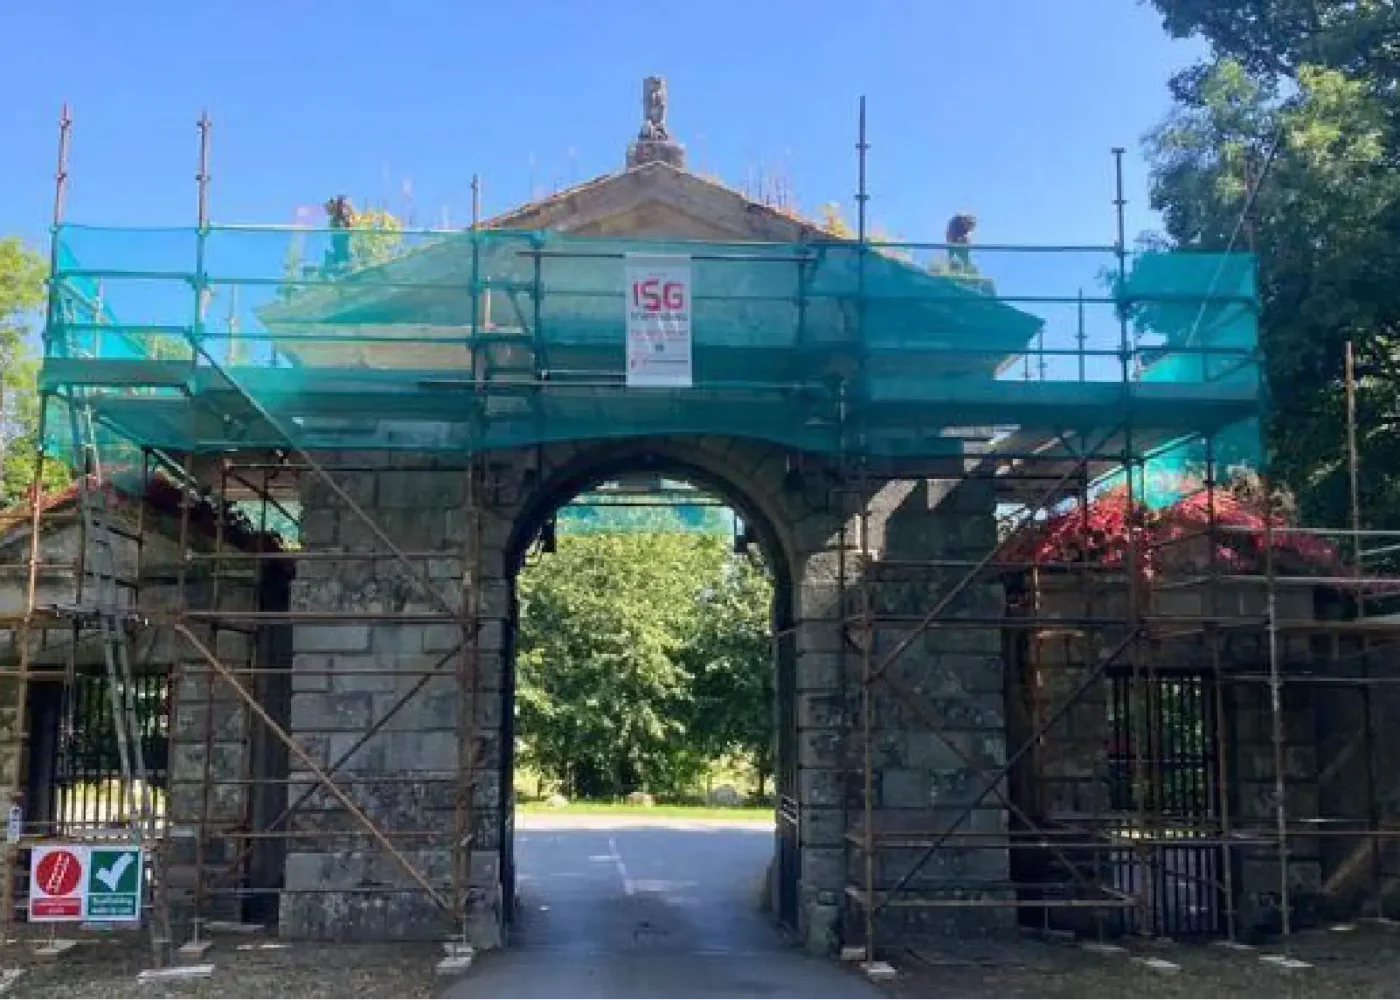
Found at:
[1006, 108]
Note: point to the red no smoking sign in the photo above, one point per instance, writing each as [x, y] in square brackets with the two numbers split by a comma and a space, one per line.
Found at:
[55, 884]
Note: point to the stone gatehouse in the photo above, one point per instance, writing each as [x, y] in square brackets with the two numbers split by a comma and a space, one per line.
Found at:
[340, 710]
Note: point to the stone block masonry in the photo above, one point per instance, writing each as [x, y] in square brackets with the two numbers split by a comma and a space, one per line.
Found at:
[959, 699]
[348, 672]
[939, 716]
[207, 760]
[948, 712]
[348, 676]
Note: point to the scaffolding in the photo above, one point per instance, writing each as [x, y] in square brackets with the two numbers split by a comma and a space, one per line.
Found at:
[236, 368]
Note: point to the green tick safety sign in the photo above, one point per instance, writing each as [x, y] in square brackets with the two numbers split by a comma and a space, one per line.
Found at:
[114, 883]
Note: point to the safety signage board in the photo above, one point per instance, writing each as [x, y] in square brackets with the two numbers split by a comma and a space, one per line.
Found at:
[56, 883]
[114, 883]
[658, 293]
[72, 882]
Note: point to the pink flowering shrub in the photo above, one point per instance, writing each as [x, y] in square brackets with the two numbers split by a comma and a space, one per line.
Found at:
[1180, 534]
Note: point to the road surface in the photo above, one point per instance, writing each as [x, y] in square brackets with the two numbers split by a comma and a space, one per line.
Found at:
[642, 907]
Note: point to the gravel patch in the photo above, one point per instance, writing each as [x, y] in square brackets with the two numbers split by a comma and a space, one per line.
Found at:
[106, 966]
[1362, 961]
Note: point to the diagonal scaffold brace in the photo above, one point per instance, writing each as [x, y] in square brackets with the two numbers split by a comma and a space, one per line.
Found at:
[319, 773]
[1092, 678]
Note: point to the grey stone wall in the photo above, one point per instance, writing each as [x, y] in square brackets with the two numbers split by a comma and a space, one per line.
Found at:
[1358, 773]
[354, 673]
[942, 724]
[1066, 777]
[347, 675]
[939, 725]
[207, 721]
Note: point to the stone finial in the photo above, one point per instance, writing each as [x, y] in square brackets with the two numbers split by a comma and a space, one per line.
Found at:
[654, 111]
[654, 143]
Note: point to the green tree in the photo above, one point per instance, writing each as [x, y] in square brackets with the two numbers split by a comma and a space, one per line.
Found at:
[728, 660]
[1326, 224]
[1281, 37]
[22, 274]
[635, 660]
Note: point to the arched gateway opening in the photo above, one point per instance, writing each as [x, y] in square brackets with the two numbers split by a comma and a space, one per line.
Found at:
[676, 461]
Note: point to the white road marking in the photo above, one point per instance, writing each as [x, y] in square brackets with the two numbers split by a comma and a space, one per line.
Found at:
[627, 885]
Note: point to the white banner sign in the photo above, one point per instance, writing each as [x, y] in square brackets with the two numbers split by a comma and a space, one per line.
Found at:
[658, 293]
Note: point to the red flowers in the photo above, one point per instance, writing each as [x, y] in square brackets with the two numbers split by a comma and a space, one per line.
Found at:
[1180, 536]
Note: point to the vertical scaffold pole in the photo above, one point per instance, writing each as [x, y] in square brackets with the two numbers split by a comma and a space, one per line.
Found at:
[1222, 716]
[469, 657]
[862, 195]
[867, 711]
[1276, 716]
[1142, 786]
[1357, 552]
[21, 721]
[205, 126]
[1081, 337]
[1353, 469]
[863, 571]
[201, 178]
[207, 777]
[481, 317]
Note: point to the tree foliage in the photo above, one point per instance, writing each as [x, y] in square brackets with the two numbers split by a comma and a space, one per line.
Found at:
[642, 656]
[728, 662]
[1299, 101]
[1280, 37]
[22, 274]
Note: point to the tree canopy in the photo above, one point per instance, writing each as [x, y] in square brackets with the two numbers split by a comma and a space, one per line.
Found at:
[642, 657]
[1280, 37]
[22, 275]
[1297, 107]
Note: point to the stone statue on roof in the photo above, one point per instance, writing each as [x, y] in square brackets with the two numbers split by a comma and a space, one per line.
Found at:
[654, 111]
[339, 212]
[654, 143]
[340, 215]
[959, 239]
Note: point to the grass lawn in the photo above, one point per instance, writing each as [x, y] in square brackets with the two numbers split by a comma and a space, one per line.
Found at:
[623, 809]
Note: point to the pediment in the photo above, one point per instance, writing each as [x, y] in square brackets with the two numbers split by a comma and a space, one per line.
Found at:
[657, 201]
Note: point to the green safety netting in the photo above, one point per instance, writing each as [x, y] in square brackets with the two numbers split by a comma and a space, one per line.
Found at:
[671, 512]
[245, 338]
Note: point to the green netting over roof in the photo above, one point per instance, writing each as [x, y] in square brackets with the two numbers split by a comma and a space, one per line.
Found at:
[670, 506]
[249, 338]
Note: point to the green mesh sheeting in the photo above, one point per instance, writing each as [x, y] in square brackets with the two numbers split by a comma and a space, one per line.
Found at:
[1162, 301]
[1166, 473]
[588, 516]
[647, 504]
[247, 338]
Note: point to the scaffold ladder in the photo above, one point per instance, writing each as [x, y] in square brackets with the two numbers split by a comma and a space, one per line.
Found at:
[101, 604]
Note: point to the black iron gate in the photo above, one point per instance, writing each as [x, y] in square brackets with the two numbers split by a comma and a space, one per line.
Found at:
[1163, 758]
[87, 790]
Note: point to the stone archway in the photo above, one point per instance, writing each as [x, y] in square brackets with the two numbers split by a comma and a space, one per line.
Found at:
[760, 510]
[419, 502]
[795, 520]
[804, 513]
